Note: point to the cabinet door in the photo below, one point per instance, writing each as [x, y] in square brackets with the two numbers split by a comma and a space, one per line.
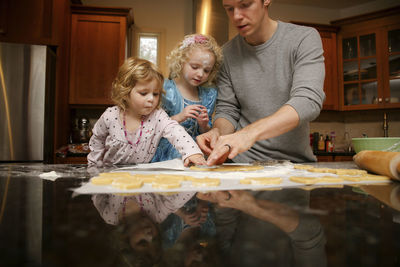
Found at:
[331, 82]
[97, 51]
[33, 22]
[391, 50]
[360, 71]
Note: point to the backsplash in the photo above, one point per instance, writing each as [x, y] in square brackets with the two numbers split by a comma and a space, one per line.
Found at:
[356, 123]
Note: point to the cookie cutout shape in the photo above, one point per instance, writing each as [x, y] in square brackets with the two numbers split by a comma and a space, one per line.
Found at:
[331, 179]
[322, 170]
[99, 180]
[127, 183]
[166, 183]
[352, 178]
[304, 179]
[146, 178]
[303, 167]
[372, 177]
[350, 172]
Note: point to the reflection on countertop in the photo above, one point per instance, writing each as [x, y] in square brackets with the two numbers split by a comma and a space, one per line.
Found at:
[42, 223]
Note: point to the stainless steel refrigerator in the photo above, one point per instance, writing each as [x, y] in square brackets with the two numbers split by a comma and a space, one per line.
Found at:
[27, 82]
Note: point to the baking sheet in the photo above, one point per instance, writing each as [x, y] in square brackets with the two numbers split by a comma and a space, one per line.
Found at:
[229, 180]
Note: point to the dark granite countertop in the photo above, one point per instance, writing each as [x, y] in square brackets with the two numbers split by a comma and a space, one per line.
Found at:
[42, 223]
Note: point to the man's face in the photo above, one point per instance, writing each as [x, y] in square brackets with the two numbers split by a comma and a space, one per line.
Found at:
[245, 15]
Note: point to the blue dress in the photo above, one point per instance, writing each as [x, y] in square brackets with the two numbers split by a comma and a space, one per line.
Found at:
[173, 103]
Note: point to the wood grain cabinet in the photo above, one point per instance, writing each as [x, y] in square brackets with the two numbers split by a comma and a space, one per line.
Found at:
[33, 21]
[369, 61]
[97, 48]
[328, 35]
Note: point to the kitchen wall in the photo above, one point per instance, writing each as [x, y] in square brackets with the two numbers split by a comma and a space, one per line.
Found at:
[175, 19]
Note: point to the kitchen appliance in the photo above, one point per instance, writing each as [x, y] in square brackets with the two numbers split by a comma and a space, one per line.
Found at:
[27, 82]
[210, 18]
[81, 132]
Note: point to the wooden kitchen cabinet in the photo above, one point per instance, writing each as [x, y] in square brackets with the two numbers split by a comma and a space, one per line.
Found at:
[329, 39]
[33, 21]
[369, 61]
[97, 48]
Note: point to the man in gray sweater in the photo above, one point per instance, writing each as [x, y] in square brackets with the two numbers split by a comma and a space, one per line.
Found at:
[270, 88]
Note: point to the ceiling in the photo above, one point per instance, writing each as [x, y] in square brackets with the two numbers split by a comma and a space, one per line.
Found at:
[336, 4]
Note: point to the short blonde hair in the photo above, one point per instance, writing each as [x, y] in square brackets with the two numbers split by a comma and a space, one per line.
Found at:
[180, 54]
[129, 73]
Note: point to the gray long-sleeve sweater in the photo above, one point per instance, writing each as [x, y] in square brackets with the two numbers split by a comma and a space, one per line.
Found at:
[255, 81]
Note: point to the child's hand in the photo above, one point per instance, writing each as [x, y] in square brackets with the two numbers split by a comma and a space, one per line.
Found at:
[196, 159]
[191, 111]
[196, 218]
[202, 120]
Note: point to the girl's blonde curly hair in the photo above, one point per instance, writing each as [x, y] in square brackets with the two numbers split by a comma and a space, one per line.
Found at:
[180, 54]
[130, 72]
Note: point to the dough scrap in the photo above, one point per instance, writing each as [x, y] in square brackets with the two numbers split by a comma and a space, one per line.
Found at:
[228, 168]
[261, 180]
[304, 179]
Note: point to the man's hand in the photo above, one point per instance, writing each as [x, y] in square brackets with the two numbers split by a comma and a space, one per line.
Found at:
[229, 146]
[206, 141]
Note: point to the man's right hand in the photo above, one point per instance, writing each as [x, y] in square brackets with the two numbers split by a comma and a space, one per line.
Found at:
[206, 141]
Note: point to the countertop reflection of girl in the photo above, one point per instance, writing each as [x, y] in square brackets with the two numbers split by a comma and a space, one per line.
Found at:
[190, 98]
[137, 218]
[130, 131]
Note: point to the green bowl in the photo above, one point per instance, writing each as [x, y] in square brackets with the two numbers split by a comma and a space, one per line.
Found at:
[375, 143]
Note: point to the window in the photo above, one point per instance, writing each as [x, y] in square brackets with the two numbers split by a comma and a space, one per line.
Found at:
[149, 44]
[148, 47]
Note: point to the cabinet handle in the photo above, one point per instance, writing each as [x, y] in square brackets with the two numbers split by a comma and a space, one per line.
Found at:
[380, 100]
[387, 99]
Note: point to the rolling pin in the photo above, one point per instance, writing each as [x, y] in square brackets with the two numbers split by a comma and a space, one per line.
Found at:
[379, 162]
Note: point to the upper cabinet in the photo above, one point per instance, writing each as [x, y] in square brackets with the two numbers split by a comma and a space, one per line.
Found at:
[33, 21]
[98, 47]
[329, 38]
[369, 61]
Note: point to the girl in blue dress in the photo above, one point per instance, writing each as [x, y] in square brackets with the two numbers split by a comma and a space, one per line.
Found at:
[190, 95]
